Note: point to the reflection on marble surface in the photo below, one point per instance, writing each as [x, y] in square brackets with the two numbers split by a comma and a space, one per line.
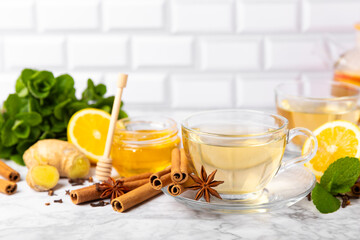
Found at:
[25, 216]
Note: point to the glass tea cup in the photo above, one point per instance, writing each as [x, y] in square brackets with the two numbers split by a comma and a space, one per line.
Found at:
[245, 147]
[311, 104]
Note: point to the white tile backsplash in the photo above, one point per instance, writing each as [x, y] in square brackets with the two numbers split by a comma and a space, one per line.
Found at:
[231, 53]
[185, 55]
[201, 91]
[133, 14]
[97, 51]
[295, 53]
[267, 15]
[67, 14]
[330, 15]
[202, 16]
[162, 51]
[34, 51]
[16, 14]
[141, 88]
[258, 90]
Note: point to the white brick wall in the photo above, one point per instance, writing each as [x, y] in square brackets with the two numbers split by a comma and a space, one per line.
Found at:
[97, 51]
[162, 52]
[33, 51]
[67, 14]
[133, 14]
[202, 16]
[181, 54]
[16, 14]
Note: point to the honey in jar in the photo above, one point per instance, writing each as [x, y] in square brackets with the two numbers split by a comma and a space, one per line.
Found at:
[143, 144]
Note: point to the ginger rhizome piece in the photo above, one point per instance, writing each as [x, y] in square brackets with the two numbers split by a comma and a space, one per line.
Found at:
[42, 177]
[63, 156]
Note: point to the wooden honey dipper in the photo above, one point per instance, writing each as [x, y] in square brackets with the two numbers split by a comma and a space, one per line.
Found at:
[104, 165]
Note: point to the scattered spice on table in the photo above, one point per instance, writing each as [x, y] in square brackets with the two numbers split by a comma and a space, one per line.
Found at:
[67, 192]
[51, 192]
[47, 204]
[99, 204]
[76, 182]
[58, 201]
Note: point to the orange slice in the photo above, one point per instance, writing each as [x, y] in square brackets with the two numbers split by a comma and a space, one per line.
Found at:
[87, 129]
[336, 139]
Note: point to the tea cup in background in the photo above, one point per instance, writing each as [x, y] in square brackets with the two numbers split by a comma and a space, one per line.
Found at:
[245, 147]
[311, 104]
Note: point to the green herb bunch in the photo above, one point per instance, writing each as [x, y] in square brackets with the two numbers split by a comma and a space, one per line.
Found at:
[41, 108]
[337, 180]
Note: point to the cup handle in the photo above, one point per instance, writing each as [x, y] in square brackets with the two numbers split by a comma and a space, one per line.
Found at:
[310, 152]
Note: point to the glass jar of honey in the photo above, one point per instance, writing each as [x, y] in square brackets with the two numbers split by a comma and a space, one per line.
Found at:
[143, 144]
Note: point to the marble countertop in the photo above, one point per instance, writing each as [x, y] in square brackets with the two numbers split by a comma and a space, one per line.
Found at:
[25, 216]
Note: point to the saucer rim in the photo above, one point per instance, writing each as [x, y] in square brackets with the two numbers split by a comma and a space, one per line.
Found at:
[241, 206]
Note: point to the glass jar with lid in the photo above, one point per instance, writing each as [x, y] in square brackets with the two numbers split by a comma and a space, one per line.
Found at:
[143, 144]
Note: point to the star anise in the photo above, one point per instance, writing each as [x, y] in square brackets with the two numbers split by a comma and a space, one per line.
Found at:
[111, 188]
[205, 185]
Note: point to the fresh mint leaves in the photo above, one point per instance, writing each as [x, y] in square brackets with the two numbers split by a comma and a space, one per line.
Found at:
[341, 175]
[324, 201]
[41, 107]
[338, 178]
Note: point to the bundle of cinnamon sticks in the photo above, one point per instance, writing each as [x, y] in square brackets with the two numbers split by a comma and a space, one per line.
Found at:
[8, 186]
[141, 187]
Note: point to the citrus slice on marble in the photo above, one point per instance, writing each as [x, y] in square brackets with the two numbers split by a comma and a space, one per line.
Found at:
[336, 139]
[87, 129]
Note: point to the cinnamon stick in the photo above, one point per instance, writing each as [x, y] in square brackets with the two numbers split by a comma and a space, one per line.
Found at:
[163, 181]
[85, 194]
[90, 193]
[133, 198]
[137, 177]
[159, 174]
[7, 187]
[179, 166]
[131, 185]
[356, 188]
[9, 173]
[175, 189]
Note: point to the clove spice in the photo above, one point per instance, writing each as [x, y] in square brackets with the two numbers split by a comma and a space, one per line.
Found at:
[67, 192]
[47, 204]
[76, 182]
[58, 201]
[99, 204]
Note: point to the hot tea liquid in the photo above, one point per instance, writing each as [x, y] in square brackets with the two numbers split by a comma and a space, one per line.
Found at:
[313, 115]
[245, 166]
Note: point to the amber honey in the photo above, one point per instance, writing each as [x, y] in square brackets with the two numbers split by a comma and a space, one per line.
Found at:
[143, 144]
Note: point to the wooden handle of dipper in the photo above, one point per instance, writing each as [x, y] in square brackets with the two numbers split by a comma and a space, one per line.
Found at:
[104, 166]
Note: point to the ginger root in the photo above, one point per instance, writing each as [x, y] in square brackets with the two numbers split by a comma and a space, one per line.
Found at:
[63, 156]
[42, 177]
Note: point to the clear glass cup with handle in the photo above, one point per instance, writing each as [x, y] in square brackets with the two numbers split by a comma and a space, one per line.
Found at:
[245, 147]
[311, 104]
